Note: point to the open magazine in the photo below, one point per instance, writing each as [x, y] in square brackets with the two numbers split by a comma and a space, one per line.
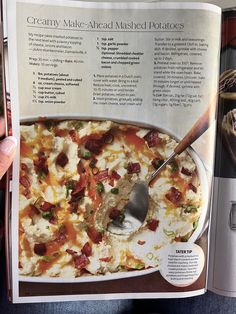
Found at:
[114, 106]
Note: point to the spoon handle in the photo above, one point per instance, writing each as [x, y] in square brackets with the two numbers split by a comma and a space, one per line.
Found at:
[193, 134]
[200, 126]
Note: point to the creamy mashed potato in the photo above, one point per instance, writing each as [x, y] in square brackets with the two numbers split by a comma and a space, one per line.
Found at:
[76, 177]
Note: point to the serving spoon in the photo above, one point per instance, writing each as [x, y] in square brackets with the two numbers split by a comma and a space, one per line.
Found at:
[135, 211]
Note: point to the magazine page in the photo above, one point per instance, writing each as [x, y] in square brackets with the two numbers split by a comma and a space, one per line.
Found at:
[103, 94]
[222, 278]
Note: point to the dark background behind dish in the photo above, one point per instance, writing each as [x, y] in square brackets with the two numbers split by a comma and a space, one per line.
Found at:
[224, 165]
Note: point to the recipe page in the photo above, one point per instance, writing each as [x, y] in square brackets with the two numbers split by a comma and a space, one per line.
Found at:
[102, 95]
[223, 237]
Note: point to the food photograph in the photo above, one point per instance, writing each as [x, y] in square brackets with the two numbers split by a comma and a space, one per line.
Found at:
[76, 177]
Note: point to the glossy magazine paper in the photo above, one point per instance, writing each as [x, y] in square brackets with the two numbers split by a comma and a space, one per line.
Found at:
[102, 94]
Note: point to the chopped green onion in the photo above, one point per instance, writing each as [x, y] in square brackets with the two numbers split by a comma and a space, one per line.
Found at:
[121, 218]
[92, 163]
[185, 238]
[77, 124]
[138, 266]
[169, 233]
[190, 209]
[87, 154]
[49, 124]
[70, 185]
[114, 190]
[150, 256]
[195, 224]
[174, 166]
[42, 175]
[47, 215]
[100, 187]
[46, 258]
[158, 163]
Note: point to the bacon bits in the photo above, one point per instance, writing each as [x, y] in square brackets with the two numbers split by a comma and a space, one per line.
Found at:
[86, 249]
[80, 261]
[94, 235]
[133, 167]
[71, 252]
[62, 160]
[105, 259]
[25, 181]
[152, 138]
[33, 211]
[102, 175]
[140, 242]
[114, 213]
[46, 206]
[77, 195]
[80, 167]
[115, 175]
[94, 146]
[40, 165]
[61, 233]
[186, 172]
[108, 138]
[152, 224]
[73, 135]
[192, 187]
[40, 249]
[174, 195]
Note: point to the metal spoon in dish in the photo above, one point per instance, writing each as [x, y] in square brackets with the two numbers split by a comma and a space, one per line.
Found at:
[135, 211]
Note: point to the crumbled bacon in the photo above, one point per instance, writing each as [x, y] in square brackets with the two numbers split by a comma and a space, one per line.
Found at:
[115, 175]
[94, 235]
[153, 224]
[62, 160]
[140, 242]
[79, 191]
[87, 249]
[26, 193]
[46, 206]
[25, 181]
[102, 175]
[71, 252]
[114, 213]
[152, 138]
[192, 187]
[61, 132]
[80, 261]
[94, 146]
[53, 220]
[40, 249]
[106, 259]
[133, 167]
[61, 233]
[41, 164]
[77, 195]
[186, 172]
[73, 135]
[108, 138]
[80, 167]
[174, 195]
[33, 211]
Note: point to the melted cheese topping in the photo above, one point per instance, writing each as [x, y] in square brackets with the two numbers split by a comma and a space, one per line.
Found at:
[76, 175]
